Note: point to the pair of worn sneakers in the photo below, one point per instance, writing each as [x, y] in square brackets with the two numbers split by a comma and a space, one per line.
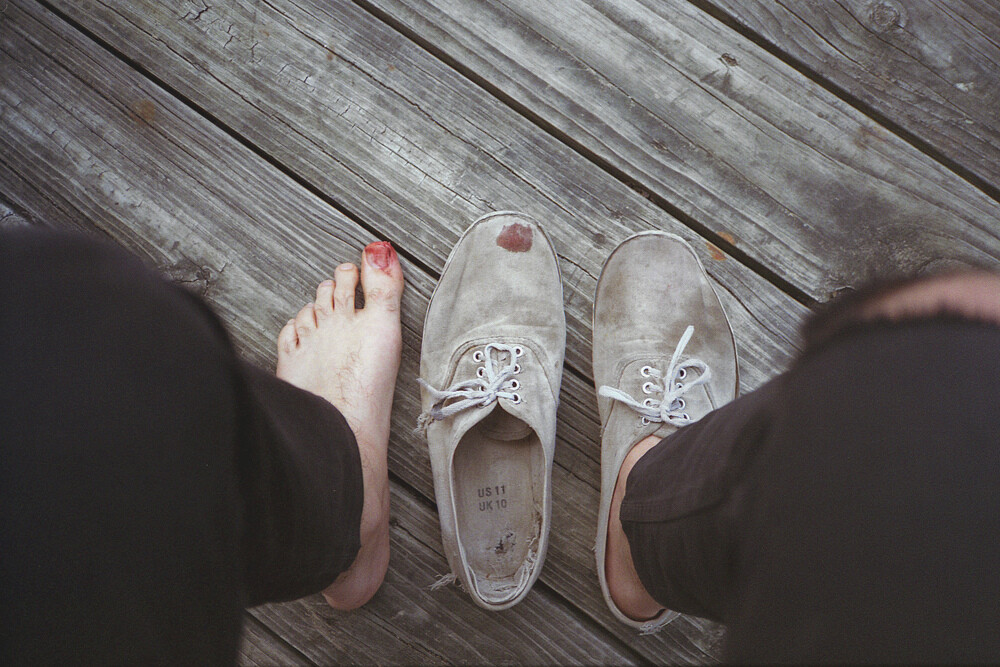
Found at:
[491, 366]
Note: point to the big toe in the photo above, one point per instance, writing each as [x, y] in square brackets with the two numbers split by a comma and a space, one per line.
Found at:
[381, 277]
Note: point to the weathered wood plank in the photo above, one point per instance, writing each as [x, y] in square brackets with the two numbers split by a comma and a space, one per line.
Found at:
[408, 623]
[86, 138]
[9, 218]
[931, 67]
[260, 646]
[711, 124]
[404, 142]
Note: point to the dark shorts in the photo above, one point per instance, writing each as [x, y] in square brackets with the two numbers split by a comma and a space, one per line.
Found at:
[847, 510]
[151, 483]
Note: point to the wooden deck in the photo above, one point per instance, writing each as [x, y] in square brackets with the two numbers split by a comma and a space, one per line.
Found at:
[245, 148]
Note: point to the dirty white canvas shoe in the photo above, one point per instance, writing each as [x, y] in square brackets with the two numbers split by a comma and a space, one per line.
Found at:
[490, 365]
[664, 357]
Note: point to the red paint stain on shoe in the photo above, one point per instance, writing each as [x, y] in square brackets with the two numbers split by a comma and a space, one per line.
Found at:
[515, 237]
[381, 255]
[715, 252]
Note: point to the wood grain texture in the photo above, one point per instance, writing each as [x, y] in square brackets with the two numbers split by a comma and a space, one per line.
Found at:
[409, 146]
[89, 142]
[709, 123]
[930, 66]
[260, 646]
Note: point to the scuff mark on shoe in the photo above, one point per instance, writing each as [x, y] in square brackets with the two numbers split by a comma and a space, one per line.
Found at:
[505, 543]
[515, 237]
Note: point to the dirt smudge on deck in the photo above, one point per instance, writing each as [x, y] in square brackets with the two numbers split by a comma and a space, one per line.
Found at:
[145, 111]
[866, 136]
[727, 237]
[515, 237]
[715, 252]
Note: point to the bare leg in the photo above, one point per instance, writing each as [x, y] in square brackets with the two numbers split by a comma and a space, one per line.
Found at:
[350, 357]
[974, 295]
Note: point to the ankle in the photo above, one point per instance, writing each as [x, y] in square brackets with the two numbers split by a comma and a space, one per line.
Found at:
[624, 585]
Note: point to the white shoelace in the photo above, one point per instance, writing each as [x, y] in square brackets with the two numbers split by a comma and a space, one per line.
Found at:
[492, 382]
[668, 385]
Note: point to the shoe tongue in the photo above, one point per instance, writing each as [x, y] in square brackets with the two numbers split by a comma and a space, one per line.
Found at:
[501, 425]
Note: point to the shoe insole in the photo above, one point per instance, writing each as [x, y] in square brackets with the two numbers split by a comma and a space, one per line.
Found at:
[499, 470]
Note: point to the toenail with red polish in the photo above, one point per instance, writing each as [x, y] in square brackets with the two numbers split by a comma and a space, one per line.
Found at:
[380, 255]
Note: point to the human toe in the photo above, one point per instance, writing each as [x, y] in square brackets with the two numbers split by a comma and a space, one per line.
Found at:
[346, 276]
[324, 299]
[382, 277]
[305, 321]
[287, 338]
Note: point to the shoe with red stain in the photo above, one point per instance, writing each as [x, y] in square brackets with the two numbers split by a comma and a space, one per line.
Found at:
[491, 365]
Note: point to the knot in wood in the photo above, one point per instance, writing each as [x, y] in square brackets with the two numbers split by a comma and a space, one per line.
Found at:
[885, 17]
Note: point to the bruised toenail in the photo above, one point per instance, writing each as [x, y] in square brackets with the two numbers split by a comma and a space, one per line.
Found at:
[380, 255]
[515, 238]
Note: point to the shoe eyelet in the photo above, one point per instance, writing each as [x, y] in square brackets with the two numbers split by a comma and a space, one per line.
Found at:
[682, 403]
[518, 351]
[648, 403]
[682, 373]
[645, 371]
[679, 385]
[648, 387]
[515, 385]
[517, 368]
[645, 421]
[516, 400]
[480, 372]
[686, 416]
[477, 356]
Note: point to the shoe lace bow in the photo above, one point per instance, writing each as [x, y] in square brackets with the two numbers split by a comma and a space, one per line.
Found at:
[668, 385]
[494, 380]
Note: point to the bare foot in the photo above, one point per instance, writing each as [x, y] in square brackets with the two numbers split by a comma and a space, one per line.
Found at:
[350, 357]
[627, 591]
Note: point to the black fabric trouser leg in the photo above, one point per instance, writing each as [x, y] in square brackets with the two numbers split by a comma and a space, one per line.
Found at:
[848, 510]
[152, 484]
